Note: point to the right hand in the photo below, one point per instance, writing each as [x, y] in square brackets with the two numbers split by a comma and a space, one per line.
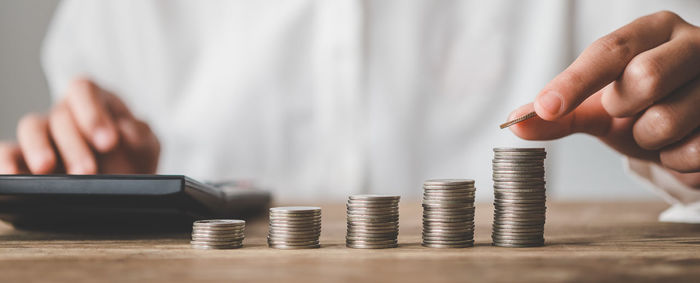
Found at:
[90, 131]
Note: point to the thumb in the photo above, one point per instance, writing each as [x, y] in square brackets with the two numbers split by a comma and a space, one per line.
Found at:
[590, 117]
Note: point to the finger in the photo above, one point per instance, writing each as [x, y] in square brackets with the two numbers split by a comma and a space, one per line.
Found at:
[11, 161]
[683, 156]
[117, 106]
[140, 140]
[87, 105]
[35, 144]
[74, 150]
[653, 75]
[671, 119]
[137, 134]
[602, 63]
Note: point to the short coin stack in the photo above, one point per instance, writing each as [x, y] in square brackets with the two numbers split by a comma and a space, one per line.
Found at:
[448, 213]
[294, 227]
[218, 234]
[373, 221]
[519, 190]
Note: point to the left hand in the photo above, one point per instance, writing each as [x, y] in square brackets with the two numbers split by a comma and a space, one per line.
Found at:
[637, 89]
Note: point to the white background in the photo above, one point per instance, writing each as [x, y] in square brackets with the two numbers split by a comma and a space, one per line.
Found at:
[579, 168]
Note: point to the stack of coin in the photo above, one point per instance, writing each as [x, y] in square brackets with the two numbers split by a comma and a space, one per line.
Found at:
[294, 227]
[218, 234]
[448, 213]
[373, 222]
[519, 215]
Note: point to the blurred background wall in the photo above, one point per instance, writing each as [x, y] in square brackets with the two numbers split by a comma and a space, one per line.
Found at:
[23, 89]
[22, 84]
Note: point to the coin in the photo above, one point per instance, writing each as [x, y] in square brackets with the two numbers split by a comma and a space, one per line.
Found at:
[448, 213]
[519, 197]
[294, 227]
[217, 234]
[372, 221]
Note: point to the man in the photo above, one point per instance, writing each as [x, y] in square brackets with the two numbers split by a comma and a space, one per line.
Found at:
[327, 98]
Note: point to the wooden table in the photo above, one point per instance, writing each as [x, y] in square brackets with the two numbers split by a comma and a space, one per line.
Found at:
[585, 242]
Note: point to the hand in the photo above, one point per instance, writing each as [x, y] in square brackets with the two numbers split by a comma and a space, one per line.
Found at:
[90, 131]
[637, 89]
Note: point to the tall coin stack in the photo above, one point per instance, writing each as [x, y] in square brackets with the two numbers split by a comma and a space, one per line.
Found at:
[448, 213]
[519, 190]
[373, 222]
[294, 227]
[218, 234]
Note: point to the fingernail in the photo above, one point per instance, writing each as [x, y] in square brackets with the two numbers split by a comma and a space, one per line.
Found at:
[551, 102]
[103, 139]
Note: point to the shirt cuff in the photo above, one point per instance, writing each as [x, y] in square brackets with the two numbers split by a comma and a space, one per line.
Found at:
[662, 182]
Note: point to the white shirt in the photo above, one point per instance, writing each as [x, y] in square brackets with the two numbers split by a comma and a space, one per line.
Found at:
[324, 98]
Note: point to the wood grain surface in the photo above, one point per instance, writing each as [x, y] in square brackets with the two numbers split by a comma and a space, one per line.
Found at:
[602, 242]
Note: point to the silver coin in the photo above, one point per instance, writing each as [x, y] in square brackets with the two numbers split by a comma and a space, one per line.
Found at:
[370, 232]
[273, 226]
[278, 222]
[457, 182]
[215, 244]
[218, 229]
[295, 231]
[518, 239]
[216, 222]
[206, 238]
[366, 246]
[374, 197]
[448, 196]
[462, 242]
[447, 246]
[438, 215]
[432, 235]
[466, 229]
[448, 220]
[519, 149]
[517, 225]
[371, 207]
[502, 235]
[372, 224]
[293, 237]
[370, 213]
[371, 242]
[524, 192]
[207, 247]
[371, 202]
[214, 233]
[517, 165]
[517, 208]
[295, 209]
[293, 247]
[390, 209]
[518, 245]
[292, 243]
[449, 190]
[372, 235]
[435, 205]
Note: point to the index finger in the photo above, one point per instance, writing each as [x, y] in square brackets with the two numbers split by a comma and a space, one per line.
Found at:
[86, 102]
[601, 63]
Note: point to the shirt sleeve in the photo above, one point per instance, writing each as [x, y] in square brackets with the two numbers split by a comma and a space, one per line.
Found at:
[662, 182]
[684, 200]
